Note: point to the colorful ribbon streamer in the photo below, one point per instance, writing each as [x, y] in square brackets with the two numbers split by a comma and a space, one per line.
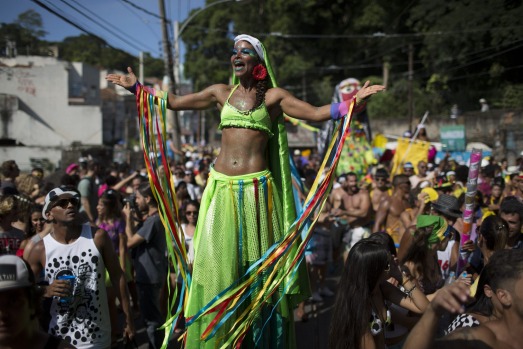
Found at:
[152, 120]
[152, 124]
[268, 268]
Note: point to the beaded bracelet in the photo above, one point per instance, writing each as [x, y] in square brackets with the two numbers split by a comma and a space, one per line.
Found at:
[409, 292]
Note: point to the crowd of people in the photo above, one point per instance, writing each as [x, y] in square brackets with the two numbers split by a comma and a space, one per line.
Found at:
[368, 224]
[93, 246]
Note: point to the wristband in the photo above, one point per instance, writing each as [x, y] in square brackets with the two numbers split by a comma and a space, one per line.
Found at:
[339, 110]
[133, 88]
[151, 90]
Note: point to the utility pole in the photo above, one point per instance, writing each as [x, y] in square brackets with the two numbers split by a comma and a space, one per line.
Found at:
[169, 71]
[411, 78]
[176, 55]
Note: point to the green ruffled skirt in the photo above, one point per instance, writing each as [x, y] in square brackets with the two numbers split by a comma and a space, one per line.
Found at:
[240, 218]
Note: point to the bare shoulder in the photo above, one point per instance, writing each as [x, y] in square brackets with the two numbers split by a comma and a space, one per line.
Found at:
[481, 336]
[99, 236]
[275, 95]
[34, 254]
[221, 91]
[34, 249]
[363, 193]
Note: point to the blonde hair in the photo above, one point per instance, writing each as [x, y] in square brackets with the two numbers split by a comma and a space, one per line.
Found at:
[7, 204]
[26, 183]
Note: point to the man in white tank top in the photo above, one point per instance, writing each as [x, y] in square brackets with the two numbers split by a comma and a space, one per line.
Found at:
[79, 310]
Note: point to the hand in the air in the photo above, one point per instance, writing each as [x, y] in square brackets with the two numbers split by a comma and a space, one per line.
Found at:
[366, 91]
[126, 81]
[450, 299]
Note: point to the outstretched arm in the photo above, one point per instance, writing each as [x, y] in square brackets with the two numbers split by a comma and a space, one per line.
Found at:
[194, 101]
[299, 109]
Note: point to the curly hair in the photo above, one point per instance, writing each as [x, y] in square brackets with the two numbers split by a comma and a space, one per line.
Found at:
[7, 205]
[261, 89]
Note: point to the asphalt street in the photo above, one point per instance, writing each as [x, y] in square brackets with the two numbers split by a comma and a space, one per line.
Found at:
[310, 334]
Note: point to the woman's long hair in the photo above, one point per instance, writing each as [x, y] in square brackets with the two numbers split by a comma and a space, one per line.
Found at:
[494, 231]
[386, 240]
[113, 210]
[352, 310]
[419, 251]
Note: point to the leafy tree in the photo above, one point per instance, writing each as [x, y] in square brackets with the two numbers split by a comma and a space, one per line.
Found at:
[475, 45]
[31, 21]
[25, 32]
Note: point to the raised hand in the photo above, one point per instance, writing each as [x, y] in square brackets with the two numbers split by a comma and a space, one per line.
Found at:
[450, 299]
[366, 91]
[126, 81]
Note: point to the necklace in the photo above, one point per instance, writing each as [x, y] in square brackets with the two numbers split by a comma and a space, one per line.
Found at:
[241, 105]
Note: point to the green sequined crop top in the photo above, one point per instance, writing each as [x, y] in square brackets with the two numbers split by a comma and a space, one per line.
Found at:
[258, 119]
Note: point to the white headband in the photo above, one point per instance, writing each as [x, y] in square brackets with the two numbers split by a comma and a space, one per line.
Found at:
[254, 42]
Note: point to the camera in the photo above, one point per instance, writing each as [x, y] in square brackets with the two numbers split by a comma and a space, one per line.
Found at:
[131, 199]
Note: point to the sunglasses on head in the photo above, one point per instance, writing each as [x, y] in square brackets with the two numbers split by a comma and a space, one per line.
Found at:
[63, 203]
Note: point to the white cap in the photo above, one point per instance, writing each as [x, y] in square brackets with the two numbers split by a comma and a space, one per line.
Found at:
[13, 273]
[54, 195]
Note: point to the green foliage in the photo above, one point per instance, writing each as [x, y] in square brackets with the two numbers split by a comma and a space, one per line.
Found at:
[91, 50]
[513, 97]
[463, 50]
[32, 22]
[25, 31]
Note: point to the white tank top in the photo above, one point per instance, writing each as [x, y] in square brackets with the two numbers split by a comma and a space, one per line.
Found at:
[84, 321]
[444, 259]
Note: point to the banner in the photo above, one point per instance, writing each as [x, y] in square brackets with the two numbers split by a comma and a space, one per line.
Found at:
[453, 137]
[413, 152]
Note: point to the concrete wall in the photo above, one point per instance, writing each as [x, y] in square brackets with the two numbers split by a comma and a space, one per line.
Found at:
[45, 116]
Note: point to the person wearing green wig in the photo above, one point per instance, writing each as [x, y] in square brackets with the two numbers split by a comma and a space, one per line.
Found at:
[247, 205]
[421, 259]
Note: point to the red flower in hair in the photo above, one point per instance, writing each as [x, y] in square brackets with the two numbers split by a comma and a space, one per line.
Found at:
[259, 72]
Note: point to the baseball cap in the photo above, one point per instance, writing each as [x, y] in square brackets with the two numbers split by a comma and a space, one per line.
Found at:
[432, 195]
[54, 195]
[13, 273]
[71, 168]
[408, 164]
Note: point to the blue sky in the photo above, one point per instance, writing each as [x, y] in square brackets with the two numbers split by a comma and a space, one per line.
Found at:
[115, 18]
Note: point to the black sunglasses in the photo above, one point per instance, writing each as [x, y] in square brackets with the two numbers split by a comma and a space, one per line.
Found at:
[63, 203]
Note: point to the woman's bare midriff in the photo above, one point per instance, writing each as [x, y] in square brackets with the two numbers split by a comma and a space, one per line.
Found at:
[243, 151]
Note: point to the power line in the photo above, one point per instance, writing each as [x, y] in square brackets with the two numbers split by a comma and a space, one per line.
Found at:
[77, 26]
[481, 58]
[142, 9]
[140, 18]
[102, 25]
[381, 35]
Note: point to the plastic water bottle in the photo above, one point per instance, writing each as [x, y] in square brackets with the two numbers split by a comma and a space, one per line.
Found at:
[451, 278]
